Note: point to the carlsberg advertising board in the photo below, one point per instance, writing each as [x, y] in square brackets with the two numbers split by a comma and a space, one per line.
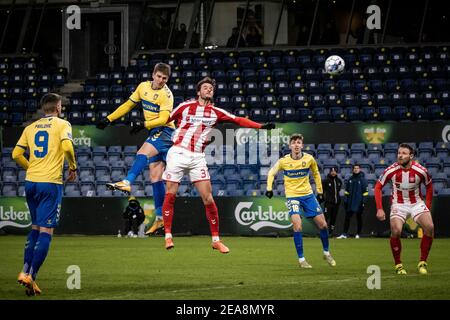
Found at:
[14, 215]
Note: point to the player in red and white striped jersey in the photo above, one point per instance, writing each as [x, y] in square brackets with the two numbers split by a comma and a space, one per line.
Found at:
[195, 119]
[406, 177]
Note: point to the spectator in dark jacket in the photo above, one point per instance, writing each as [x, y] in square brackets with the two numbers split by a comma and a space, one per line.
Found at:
[231, 43]
[331, 187]
[356, 192]
[134, 216]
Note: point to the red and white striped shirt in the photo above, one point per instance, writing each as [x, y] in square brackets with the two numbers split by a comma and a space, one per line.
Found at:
[405, 182]
[195, 122]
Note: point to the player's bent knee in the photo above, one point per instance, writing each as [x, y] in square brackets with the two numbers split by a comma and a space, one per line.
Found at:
[429, 229]
[207, 199]
[395, 233]
[155, 177]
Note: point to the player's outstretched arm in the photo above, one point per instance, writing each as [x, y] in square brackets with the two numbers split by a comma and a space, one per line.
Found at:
[225, 116]
[379, 202]
[18, 156]
[162, 119]
[69, 154]
[270, 178]
[122, 110]
[247, 123]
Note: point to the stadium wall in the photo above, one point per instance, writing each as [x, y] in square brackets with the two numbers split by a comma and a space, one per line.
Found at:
[243, 216]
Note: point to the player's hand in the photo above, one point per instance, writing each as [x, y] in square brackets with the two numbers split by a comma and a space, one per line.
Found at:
[136, 126]
[269, 194]
[320, 198]
[210, 141]
[102, 124]
[381, 215]
[268, 126]
[72, 175]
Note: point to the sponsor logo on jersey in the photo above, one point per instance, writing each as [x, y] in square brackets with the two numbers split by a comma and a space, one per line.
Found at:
[300, 173]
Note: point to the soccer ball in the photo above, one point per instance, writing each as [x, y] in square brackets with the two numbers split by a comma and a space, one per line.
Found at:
[334, 65]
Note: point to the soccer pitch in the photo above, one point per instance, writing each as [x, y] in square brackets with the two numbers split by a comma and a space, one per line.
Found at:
[256, 268]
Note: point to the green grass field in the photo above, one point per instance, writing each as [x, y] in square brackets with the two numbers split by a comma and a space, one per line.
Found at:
[256, 268]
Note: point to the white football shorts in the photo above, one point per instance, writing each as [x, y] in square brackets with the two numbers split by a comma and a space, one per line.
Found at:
[180, 161]
[403, 210]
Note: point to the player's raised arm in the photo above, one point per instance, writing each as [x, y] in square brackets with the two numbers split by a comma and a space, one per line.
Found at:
[122, 110]
[271, 177]
[162, 119]
[225, 116]
[19, 150]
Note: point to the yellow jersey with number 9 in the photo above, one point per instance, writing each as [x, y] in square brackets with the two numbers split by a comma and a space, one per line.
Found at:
[153, 101]
[43, 139]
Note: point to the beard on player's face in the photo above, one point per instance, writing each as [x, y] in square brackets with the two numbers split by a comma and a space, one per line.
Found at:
[404, 160]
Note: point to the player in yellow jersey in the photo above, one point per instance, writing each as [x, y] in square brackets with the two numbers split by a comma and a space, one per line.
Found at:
[49, 141]
[300, 197]
[157, 104]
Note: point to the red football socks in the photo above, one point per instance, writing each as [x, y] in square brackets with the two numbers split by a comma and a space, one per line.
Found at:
[425, 246]
[212, 215]
[167, 209]
[396, 247]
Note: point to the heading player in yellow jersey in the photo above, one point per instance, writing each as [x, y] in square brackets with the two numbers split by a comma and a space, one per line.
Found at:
[157, 104]
[48, 140]
[300, 196]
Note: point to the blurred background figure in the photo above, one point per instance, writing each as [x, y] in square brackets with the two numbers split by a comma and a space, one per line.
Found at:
[356, 192]
[331, 187]
[231, 43]
[134, 216]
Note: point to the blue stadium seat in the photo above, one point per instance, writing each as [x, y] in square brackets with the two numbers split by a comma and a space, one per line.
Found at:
[358, 150]
[353, 113]
[289, 114]
[442, 150]
[258, 114]
[9, 189]
[9, 174]
[329, 163]
[341, 151]
[310, 149]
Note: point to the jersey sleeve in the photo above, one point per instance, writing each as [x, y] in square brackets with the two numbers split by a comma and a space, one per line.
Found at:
[385, 176]
[425, 177]
[23, 141]
[65, 131]
[316, 176]
[225, 116]
[177, 113]
[167, 102]
[136, 95]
